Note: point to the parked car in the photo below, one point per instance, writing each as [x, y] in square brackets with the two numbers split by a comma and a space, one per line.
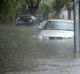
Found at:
[57, 29]
[25, 19]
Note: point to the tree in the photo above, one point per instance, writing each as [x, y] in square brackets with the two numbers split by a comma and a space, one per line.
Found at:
[33, 5]
[9, 9]
[43, 10]
[69, 7]
[4, 8]
[57, 5]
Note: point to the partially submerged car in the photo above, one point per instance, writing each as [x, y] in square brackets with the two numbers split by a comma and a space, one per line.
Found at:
[26, 20]
[57, 29]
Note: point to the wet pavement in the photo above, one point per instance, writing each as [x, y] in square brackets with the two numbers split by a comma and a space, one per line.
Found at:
[21, 52]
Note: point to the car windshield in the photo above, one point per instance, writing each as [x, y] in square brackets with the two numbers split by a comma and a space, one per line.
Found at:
[24, 19]
[58, 25]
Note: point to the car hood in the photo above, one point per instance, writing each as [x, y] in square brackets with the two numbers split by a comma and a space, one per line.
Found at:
[56, 33]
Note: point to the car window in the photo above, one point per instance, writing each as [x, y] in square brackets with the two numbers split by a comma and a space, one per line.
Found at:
[24, 18]
[58, 25]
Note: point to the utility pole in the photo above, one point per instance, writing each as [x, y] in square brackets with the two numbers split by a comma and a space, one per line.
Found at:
[76, 27]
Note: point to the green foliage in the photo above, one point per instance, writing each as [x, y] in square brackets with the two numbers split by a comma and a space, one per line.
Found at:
[33, 5]
[16, 8]
[9, 8]
[4, 8]
[67, 4]
[58, 4]
[43, 10]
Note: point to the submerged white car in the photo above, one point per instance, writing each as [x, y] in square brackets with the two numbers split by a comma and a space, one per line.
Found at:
[57, 29]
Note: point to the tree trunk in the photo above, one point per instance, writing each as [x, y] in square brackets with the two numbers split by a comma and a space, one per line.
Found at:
[32, 6]
[56, 16]
[69, 13]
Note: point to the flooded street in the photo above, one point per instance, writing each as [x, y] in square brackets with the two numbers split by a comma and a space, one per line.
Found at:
[21, 52]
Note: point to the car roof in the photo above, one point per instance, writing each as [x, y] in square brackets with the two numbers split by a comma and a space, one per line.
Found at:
[63, 20]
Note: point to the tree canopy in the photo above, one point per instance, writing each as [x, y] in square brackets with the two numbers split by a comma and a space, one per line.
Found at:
[9, 8]
[33, 5]
[57, 5]
[43, 10]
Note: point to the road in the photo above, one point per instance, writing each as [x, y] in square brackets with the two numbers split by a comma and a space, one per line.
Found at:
[21, 52]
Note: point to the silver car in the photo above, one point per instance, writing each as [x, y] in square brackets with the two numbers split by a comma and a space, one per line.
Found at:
[57, 29]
